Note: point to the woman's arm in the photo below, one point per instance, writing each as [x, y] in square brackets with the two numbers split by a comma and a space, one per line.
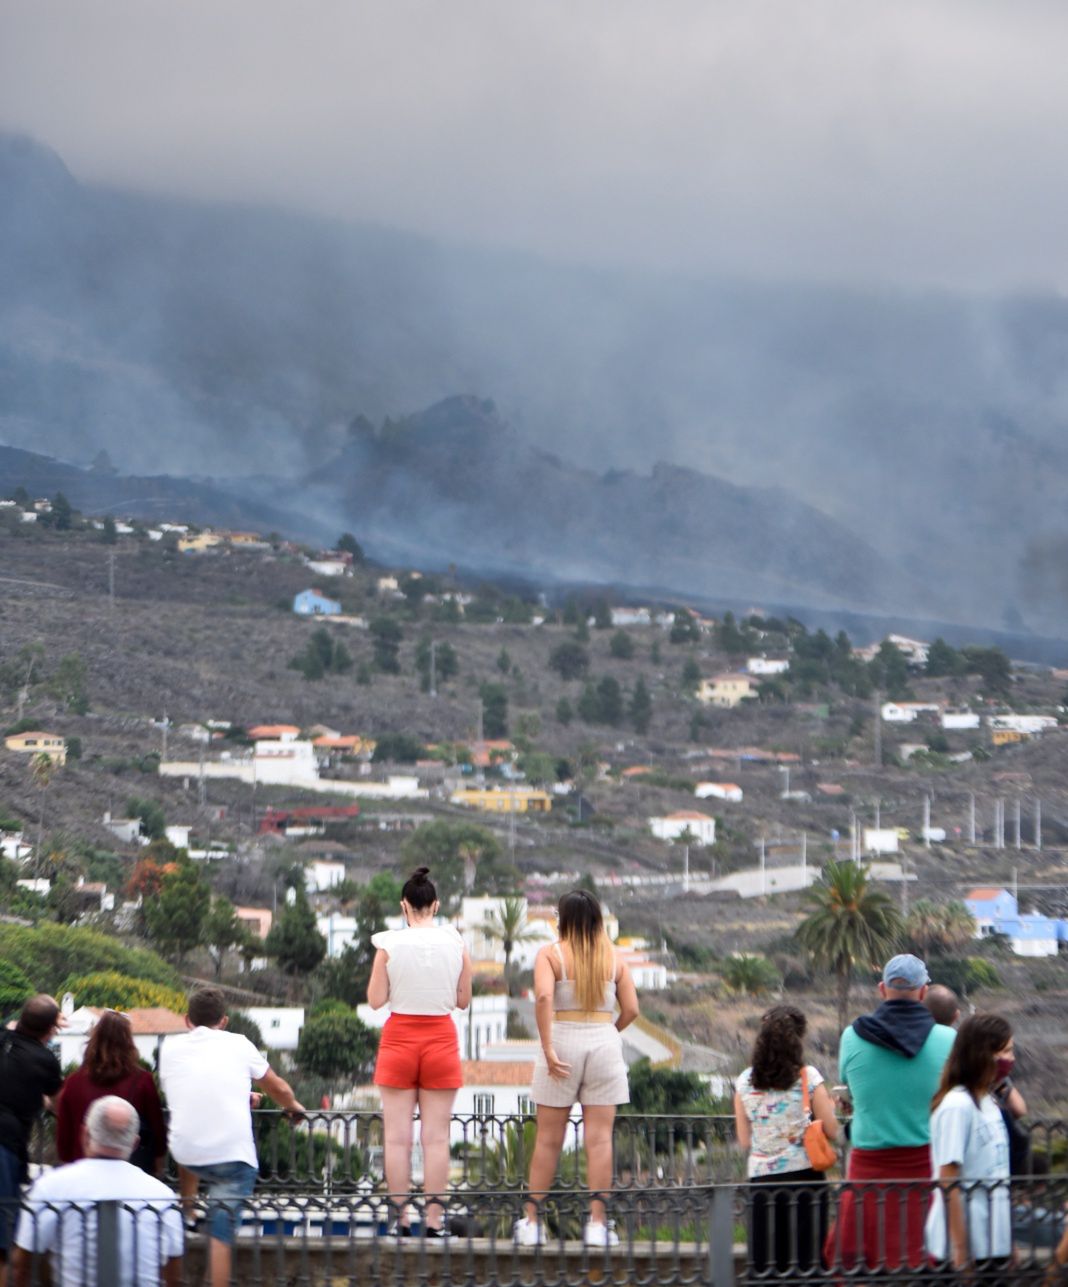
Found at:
[378, 984]
[627, 996]
[741, 1123]
[956, 1219]
[823, 1111]
[463, 987]
[544, 988]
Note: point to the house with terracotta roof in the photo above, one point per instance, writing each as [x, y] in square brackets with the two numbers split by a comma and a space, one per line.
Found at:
[675, 826]
[38, 743]
[274, 732]
[151, 1027]
[719, 791]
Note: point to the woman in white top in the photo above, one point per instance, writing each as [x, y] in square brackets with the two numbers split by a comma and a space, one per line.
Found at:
[970, 1221]
[424, 973]
[578, 983]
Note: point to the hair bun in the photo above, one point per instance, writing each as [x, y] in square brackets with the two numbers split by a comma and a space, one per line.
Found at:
[420, 873]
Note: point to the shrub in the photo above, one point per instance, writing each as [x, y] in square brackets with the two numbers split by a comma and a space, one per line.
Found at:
[50, 952]
[117, 992]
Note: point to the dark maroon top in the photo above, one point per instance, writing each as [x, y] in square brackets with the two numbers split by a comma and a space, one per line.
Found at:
[79, 1092]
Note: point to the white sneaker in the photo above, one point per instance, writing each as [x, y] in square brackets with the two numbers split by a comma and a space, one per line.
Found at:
[529, 1233]
[597, 1234]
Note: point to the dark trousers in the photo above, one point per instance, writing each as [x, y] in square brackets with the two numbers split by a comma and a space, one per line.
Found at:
[788, 1223]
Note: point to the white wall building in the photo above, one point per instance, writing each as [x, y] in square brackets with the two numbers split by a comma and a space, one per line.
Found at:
[484, 1022]
[767, 665]
[960, 720]
[1030, 724]
[880, 840]
[674, 825]
[279, 1025]
[322, 874]
[907, 712]
[719, 791]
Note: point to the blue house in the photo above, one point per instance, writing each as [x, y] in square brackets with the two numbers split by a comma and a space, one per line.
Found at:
[310, 603]
[1031, 934]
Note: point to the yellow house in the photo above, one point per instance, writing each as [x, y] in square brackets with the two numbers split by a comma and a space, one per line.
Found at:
[1007, 736]
[199, 543]
[36, 743]
[504, 799]
[726, 690]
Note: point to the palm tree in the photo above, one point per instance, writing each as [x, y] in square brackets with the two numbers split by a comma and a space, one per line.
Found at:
[507, 924]
[851, 925]
[42, 770]
[935, 929]
[749, 973]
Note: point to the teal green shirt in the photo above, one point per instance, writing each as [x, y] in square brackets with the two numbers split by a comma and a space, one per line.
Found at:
[891, 1094]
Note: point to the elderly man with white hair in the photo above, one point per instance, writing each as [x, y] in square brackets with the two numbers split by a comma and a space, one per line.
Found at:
[59, 1215]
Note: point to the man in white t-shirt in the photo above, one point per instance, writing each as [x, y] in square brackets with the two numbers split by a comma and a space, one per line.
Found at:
[60, 1212]
[206, 1076]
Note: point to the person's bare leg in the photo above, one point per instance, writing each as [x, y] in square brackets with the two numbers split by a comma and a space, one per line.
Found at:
[548, 1142]
[220, 1257]
[597, 1123]
[398, 1109]
[435, 1121]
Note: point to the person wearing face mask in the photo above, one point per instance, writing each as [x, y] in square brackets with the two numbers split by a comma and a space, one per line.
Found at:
[969, 1227]
[1013, 1107]
[424, 973]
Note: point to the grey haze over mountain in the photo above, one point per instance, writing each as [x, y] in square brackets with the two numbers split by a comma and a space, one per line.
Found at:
[878, 449]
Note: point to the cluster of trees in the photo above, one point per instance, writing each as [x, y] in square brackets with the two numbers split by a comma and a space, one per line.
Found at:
[322, 655]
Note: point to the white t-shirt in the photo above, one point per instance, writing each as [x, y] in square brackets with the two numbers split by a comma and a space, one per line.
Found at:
[149, 1219]
[975, 1139]
[424, 968]
[207, 1076]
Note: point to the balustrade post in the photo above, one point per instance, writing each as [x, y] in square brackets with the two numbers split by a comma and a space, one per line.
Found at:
[721, 1236]
[107, 1242]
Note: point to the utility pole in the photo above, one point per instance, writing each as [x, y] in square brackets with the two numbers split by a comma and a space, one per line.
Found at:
[804, 859]
[111, 580]
[686, 870]
[163, 731]
[763, 869]
[878, 730]
[927, 821]
[971, 817]
[1038, 824]
[854, 848]
[433, 668]
[201, 794]
[878, 814]
[1016, 821]
[1016, 886]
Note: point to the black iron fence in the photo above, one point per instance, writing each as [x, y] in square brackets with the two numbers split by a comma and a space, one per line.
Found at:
[817, 1231]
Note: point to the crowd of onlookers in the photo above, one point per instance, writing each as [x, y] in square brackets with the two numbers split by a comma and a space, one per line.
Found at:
[929, 1101]
[933, 1117]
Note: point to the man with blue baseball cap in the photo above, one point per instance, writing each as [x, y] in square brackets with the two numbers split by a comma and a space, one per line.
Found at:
[891, 1061]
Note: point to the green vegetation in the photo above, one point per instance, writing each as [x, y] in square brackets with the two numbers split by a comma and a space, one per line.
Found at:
[49, 953]
[294, 939]
[335, 1045]
[322, 655]
[116, 991]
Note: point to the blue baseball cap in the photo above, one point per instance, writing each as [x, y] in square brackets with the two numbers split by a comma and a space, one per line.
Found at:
[905, 973]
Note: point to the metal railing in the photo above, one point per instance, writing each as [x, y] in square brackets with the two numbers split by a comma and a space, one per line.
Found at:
[815, 1231]
[336, 1151]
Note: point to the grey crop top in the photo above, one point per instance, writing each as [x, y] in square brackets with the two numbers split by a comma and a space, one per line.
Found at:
[564, 995]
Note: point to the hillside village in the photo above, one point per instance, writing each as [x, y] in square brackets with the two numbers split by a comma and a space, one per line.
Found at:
[223, 750]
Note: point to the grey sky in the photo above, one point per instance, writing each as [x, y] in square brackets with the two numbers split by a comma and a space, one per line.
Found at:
[909, 140]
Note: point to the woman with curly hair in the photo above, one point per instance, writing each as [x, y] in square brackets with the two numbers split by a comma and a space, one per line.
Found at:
[789, 1222]
[111, 1066]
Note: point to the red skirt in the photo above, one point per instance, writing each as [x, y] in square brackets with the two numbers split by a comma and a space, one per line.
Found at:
[884, 1223]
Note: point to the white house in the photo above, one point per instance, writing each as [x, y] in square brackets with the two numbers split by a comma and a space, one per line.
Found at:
[767, 665]
[880, 840]
[631, 617]
[907, 712]
[915, 650]
[178, 835]
[328, 567]
[1029, 724]
[321, 875]
[492, 1086]
[673, 826]
[279, 1025]
[719, 791]
[959, 720]
[339, 930]
[12, 846]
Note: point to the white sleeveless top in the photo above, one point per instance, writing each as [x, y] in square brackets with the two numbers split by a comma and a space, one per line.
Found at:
[423, 967]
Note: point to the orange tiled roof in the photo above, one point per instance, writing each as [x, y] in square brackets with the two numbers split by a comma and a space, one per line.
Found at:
[155, 1021]
[272, 730]
[984, 895]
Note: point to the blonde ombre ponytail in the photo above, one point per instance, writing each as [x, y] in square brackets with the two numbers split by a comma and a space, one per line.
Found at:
[582, 929]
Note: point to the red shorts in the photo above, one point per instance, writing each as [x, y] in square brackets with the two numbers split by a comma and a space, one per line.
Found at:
[419, 1052]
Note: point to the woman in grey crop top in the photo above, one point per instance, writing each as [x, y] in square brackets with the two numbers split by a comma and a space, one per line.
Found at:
[578, 984]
